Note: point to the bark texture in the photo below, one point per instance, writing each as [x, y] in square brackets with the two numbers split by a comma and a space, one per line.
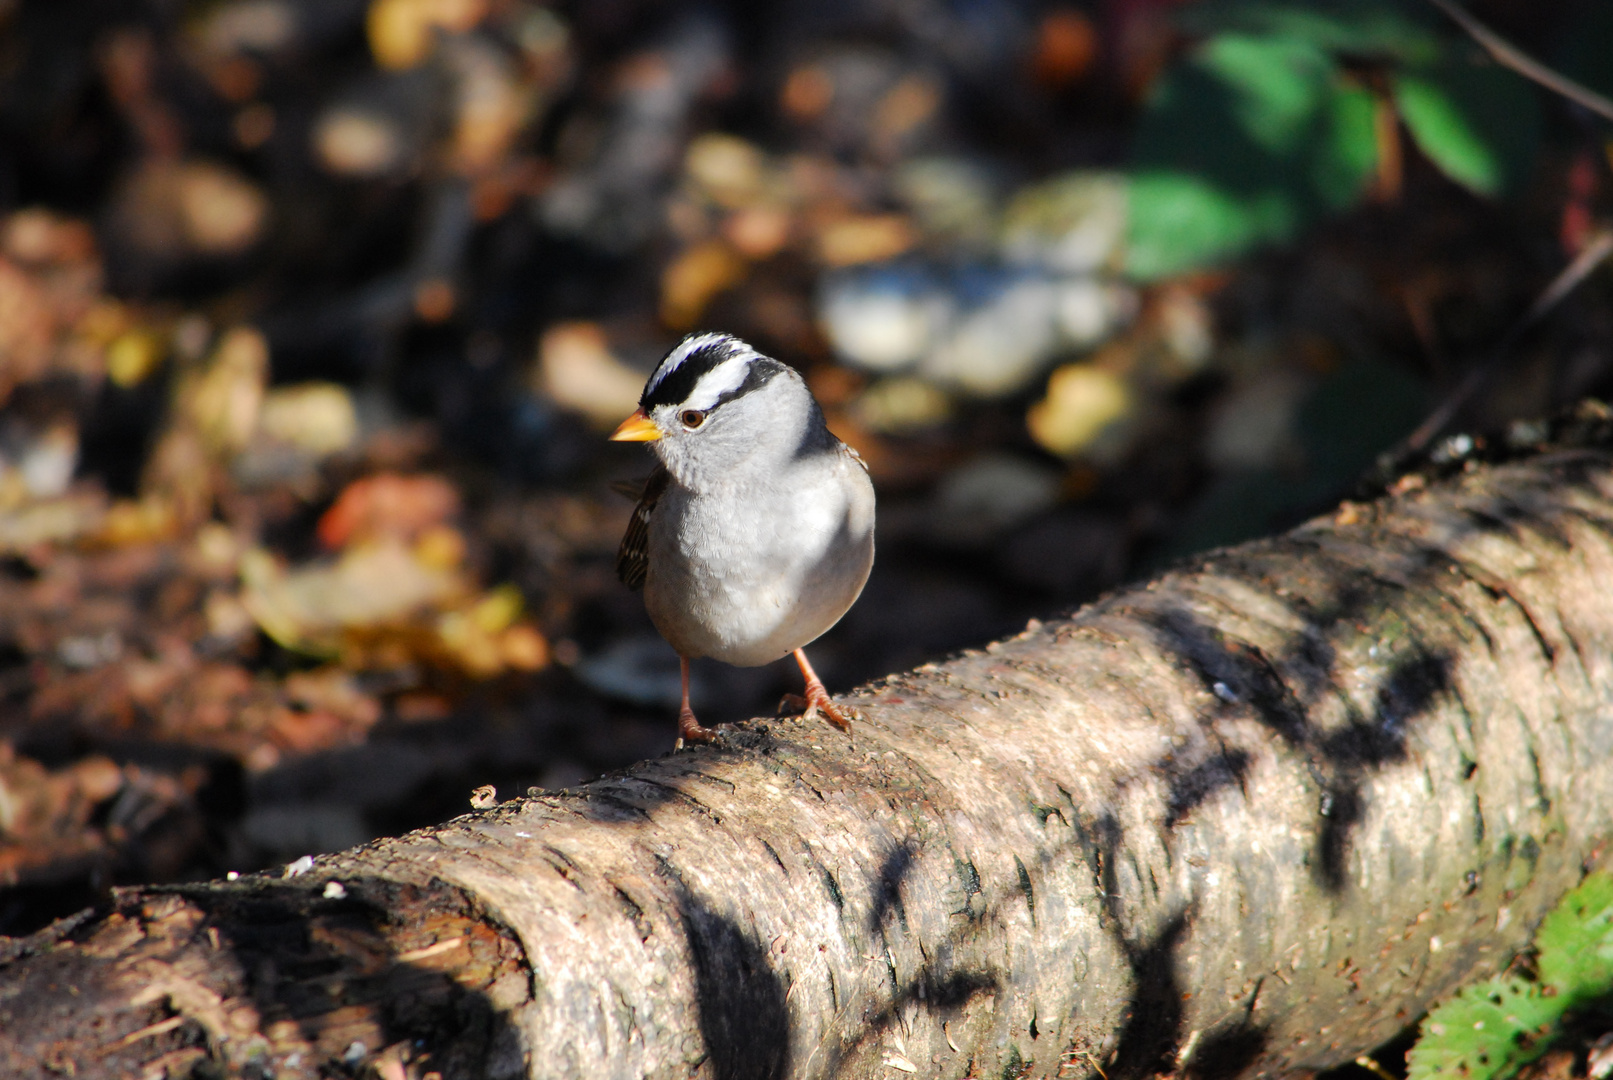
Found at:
[1251, 817]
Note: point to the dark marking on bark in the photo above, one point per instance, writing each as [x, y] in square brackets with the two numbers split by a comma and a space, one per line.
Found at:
[562, 864]
[1026, 888]
[1189, 789]
[1227, 1051]
[717, 780]
[1340, 810]
[1501, 513]
[969, 880]
[673, 793]
[1410, 690]
[1546, 648]
[959, 988]
[1478, 819]
[744, 1018]
[775, 856]
[941, 995]
[888, 886]
[621, 806]
[564, 870]
[1457, 601]
[1043, 812]
[1105, 846]
[1579, 654]
[1152, 1030]
[1542, 800]
[664, 867]
[634, 911]
[1229, 666]
[833, 888]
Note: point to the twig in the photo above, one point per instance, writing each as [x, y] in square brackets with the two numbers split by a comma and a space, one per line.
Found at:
[1370, 1064]
[1509, 55]
[1594, 253]
[159, 1028]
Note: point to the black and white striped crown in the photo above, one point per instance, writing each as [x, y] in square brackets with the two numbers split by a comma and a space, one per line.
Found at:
[705, 370]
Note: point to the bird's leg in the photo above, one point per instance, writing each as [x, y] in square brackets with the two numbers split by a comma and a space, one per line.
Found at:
[817, 698]
[690, 729]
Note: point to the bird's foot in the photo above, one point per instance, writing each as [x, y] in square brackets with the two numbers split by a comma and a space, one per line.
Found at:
[817, 700]
[691, 730]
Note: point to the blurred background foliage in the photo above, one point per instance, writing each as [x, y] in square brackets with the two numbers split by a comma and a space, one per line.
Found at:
[314, 314]
[1280, 113]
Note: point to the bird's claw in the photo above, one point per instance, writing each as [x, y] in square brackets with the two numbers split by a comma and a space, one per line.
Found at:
[691, 730]
[821, 703]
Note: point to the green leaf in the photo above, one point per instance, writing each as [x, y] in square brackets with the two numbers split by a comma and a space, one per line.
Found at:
[1576, 942]
[1348, 155]
[1394, 30]
[1265, 125]
[1221, 158]
[1277, 85]
[1477, 123]
[1484, 1033]
[1244, 143]
[1179, 221]
[1443, 131]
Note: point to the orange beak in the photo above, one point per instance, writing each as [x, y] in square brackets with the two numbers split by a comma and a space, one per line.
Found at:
[636, 428]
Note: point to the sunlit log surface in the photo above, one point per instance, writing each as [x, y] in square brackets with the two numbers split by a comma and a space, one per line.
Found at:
[1253, 816]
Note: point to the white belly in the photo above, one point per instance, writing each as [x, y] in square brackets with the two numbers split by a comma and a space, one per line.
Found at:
[747, 577]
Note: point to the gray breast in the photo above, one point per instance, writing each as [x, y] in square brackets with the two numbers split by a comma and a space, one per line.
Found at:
[747, 571]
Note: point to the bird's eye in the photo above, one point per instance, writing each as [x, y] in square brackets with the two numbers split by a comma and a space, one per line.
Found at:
[692, 418]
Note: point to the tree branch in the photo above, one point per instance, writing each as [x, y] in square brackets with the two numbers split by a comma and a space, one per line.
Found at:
[1510, 56]
[1252, 817]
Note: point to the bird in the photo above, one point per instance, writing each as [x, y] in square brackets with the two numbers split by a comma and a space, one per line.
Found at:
[755, 532]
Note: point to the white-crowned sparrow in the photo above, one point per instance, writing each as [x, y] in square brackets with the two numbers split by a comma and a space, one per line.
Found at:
[756, 532]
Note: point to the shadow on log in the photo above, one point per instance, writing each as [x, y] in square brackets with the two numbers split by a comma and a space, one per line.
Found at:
[1251, 817]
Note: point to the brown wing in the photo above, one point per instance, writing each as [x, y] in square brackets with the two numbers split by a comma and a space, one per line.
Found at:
[633, 557]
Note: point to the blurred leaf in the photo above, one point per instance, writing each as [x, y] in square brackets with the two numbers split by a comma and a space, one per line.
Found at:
[1396, 30]
[1242, 145]
[387, 504]
[1277, 84]
[1348, 155]
[1487, 1030]
[1180, 221]
[1477, 124]
[1446, 136]
[1268, 123]
[692, 279]
[373, 588]
[403, 33]
[1576, 942]
[316, 417]
[577, 370]
[1082, 402]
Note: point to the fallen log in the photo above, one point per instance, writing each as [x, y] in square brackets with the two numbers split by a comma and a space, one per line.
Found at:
[1252, 817]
